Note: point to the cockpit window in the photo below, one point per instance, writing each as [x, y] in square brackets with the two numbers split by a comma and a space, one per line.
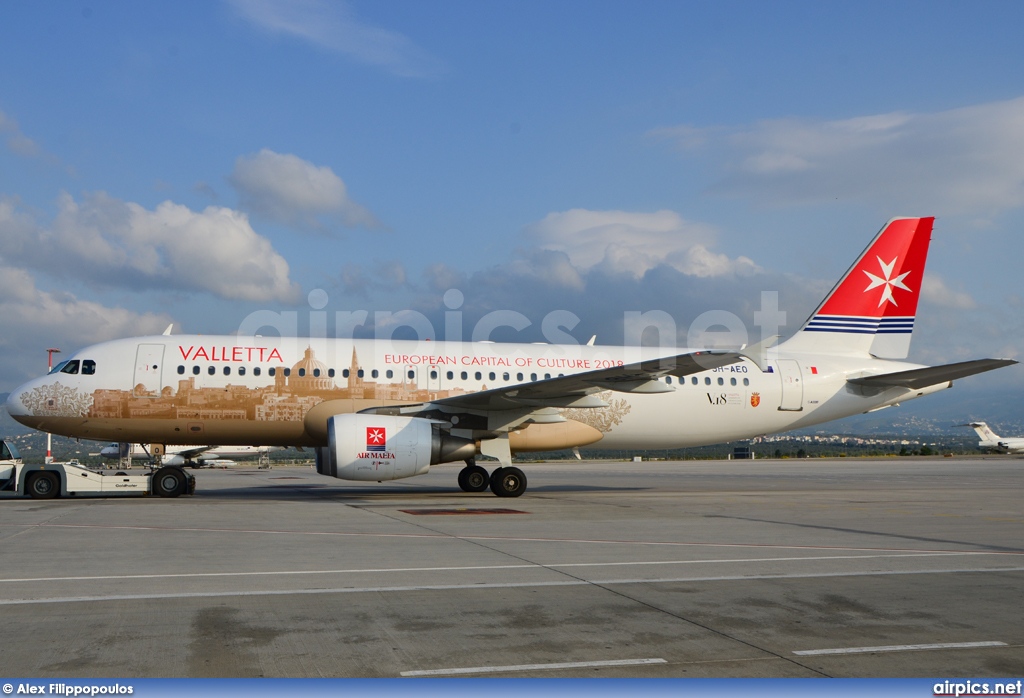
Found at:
[58, 367]
[70, 367]
[88, 367]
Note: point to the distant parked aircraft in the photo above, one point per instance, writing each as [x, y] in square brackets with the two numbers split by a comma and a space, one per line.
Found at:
[192, 456]
[990, 441]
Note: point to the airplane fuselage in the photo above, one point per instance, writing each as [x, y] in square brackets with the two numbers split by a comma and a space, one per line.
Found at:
[224, 390]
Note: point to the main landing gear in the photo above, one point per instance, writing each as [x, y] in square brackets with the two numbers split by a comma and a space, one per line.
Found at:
[504, 482]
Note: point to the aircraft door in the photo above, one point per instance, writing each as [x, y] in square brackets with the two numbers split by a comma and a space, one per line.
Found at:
[148, 370]
[792, 386]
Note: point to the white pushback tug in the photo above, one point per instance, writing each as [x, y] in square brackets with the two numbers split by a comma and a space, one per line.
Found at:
[72, 479]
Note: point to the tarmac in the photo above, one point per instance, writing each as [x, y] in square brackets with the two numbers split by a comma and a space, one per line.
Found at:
[891, 567]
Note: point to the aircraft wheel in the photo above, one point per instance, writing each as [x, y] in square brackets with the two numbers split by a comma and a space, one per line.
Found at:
[508, 482]
[43, 485]
[473, 478]
[169, 481]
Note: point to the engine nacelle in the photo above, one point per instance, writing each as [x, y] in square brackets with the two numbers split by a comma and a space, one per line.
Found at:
[371, 447]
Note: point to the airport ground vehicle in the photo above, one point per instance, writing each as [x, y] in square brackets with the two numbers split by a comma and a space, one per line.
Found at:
[51, 480]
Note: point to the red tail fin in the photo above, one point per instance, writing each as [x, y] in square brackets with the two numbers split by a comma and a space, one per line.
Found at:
[873, 306]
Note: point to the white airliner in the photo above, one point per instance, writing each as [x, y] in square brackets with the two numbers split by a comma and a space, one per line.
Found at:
[376, 411]
[990, 441]
[191, 456]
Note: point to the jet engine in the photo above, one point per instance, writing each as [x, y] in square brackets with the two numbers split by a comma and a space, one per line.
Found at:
[371, 447]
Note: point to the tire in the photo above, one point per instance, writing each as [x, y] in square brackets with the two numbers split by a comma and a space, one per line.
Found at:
[169, 481]
[473, 478]
[508, 482]
[43, 485]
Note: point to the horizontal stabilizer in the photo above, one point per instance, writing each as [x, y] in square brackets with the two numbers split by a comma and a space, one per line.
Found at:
[933, 375]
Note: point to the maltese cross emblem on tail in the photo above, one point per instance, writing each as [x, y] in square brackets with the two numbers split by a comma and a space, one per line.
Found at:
[888, 281]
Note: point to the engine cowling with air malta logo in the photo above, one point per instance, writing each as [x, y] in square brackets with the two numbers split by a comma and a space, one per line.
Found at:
[377, 444]
[879, 295]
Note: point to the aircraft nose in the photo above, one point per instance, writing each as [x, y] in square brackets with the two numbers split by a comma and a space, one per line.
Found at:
[14, 405]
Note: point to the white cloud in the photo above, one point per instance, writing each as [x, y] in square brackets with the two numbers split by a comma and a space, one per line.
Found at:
[935, 291]
[109, 242]
[623, 242]
[34, 319]
[20, 144]
[966, 160]
[333, 26]
[295, 192]
[360, 279]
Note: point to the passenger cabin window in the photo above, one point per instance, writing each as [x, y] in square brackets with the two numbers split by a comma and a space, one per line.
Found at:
[360, 373]
[256, 370]
[721, 381]
[195, 370]
[181, 370]
[464, 375]
[732, 381]
[70, 367]
[241, 370]
[412, 374]
[227, 370]
[287, 372]
[330, 373]
[345, 373]
[433, 375]
[272, 371]
[478, 375]
[390, 373]
[746, 381]
[374, 373]
[694, 380]
[491, 376]
[302, 372]
[533, 376]
[88, 367]
[707, 380]
[450, 375]
[211, 370]
[519, 376]
[668, 379]
[316, 372]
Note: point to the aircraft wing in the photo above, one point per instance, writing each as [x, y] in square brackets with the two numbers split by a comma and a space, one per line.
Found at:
[923, 377]
[574, 390]
[190, 453]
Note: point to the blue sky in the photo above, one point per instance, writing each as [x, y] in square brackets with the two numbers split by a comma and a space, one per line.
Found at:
[194, 162]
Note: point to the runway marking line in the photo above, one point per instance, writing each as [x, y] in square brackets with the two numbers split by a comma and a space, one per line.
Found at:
[516, 539]
[471, 568]
[459, 512]
[485, 585]
[902, 648]
[533, 667]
